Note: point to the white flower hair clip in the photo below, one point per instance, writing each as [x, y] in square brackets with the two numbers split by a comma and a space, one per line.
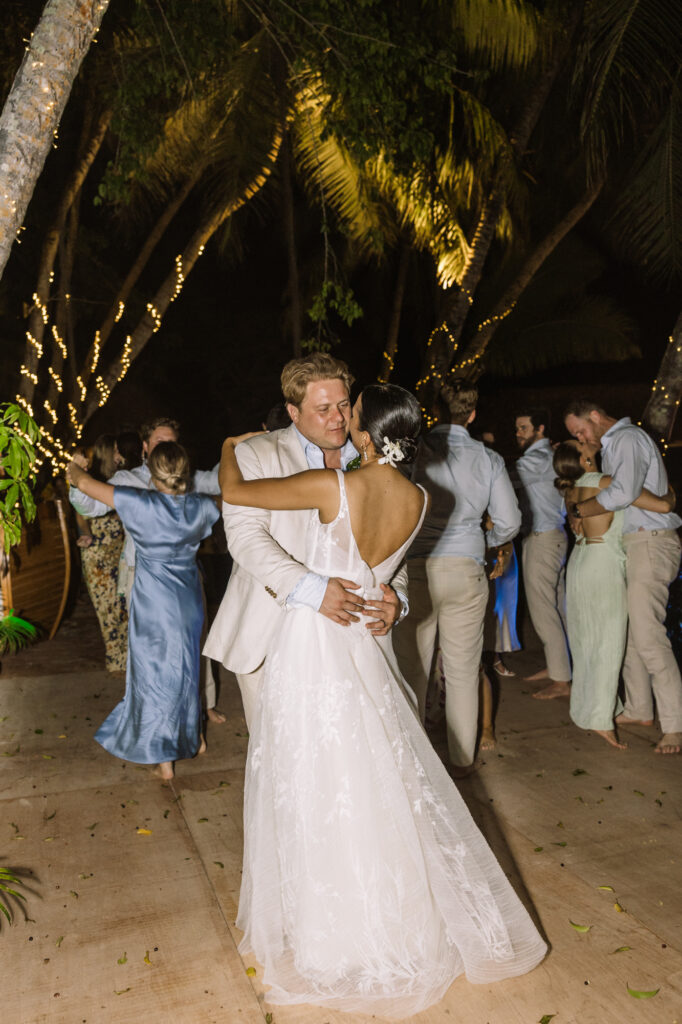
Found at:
[393, 453]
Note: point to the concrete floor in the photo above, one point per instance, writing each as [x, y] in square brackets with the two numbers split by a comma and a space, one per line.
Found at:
[131, 885]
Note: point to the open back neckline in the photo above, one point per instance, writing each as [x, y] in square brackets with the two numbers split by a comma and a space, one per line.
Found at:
[343, 506]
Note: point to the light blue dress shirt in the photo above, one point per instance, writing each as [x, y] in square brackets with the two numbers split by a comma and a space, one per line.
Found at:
[541, 503]
[203, 482]
[630, 456]
[465, 479]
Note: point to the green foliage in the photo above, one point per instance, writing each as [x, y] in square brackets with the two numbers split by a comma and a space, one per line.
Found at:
[18, 434]
[7, 880]
[15, 633]
[332, 299]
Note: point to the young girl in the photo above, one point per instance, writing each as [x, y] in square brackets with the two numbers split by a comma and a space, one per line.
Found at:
[159, 719]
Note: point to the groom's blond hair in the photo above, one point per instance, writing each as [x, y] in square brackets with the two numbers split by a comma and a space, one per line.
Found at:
[298, 373]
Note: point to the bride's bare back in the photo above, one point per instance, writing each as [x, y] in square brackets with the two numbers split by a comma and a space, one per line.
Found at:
[384, 510]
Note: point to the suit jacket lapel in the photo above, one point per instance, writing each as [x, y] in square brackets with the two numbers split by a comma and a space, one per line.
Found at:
[291, 454]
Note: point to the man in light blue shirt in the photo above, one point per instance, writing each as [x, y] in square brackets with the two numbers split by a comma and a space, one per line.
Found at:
[544, 549]
[446, 565]
[652, 547]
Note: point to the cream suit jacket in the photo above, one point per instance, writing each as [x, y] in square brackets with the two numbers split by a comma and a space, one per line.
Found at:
[268, 549]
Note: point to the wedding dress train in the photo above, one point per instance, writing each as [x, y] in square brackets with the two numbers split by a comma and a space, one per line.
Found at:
[367, 886]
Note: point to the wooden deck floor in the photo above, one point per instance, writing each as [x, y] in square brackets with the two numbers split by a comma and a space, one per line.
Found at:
[132, 886]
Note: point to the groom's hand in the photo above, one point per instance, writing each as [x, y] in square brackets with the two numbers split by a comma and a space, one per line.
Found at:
[339, 603]
[385, 613]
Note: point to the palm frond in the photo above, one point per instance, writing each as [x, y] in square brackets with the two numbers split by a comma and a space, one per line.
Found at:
[647, 220]
[507, 33]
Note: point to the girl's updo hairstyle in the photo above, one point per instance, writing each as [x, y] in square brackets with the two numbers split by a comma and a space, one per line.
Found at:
[103, 462]
[390, 411]
[168, 464]
[567, 466]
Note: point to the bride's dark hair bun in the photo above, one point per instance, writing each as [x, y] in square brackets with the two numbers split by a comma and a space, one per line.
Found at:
[388, 411]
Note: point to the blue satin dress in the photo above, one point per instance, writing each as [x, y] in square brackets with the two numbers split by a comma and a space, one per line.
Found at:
[159, 718]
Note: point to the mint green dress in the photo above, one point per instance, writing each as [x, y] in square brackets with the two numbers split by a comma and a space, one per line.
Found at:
[597, 618]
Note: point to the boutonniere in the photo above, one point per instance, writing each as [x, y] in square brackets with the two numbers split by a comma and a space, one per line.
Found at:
[354, 464]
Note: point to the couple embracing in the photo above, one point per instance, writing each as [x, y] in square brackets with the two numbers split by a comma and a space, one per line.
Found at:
[366, 885]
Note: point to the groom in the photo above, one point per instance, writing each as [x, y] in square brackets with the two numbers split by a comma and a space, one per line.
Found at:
[268, 548]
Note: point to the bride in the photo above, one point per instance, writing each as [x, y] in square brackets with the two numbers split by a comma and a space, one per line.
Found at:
[366, 886]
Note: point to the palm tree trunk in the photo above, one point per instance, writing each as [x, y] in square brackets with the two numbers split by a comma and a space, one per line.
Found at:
[294, 287]
[48, 256]
[35, 104]
[661, 409]
[132, 278]
[470, 363]
[389, 354]
[169, 290]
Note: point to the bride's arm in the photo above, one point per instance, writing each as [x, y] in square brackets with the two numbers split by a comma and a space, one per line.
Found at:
[314, 488]
[647, 499]
[77, 476]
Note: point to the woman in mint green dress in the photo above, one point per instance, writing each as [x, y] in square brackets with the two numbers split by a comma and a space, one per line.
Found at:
[596, 593]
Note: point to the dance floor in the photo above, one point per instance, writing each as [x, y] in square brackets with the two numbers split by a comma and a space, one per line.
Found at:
[131, 886]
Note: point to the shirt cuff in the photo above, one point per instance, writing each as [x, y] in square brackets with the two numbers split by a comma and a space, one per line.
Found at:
[405, 604]
[309, 592]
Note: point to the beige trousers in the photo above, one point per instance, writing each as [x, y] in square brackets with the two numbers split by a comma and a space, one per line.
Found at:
[448, 598]
[650, 669]
[250, 686]
[544, 558]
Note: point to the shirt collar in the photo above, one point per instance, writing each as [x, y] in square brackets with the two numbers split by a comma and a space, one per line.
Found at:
[315, 456]
[543, 442]
[451, 429]
[624, 422]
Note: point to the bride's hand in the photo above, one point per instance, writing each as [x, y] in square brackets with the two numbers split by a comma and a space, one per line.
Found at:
[234, 441]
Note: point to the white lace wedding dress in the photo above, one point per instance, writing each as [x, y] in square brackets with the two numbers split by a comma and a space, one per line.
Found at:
[367, 886]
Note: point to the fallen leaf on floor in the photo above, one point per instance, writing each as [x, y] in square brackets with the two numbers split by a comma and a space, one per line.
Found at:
[74, 893]
[15, 827]
[659, 802]
[580, 771]
[538, 849]
[638, 792]
[201, 820]
[638, 993]
[251, 971]
[560, 824]
[617, 906]
[606, 888]
[59, 940]
[48, 839]
[86, 876]
[147, 960]
[607, 787]
[62, 736]
[621, 949]
[120, 991]
[10, 753]
[222, 784]
[268, 1018]
[580, 927]
[546, 1018]
[143, 831]
[94, 825]
[579, 799]
[48, 757]
[38, 732]
[50, 816]
[123, 959]
[560, 844]
[166, 813]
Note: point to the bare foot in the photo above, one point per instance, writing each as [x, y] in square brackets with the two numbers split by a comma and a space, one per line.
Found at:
[542, 674]
[624, 720]
[202, 747]
[164, 771]
[610, 736]
[216, 716]
[488, 741]
[555, 689]
[670, 743]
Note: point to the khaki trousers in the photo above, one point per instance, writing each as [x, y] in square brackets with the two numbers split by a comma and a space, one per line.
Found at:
[650, 669]
[250, 686]
[448, 598]
[543, 558]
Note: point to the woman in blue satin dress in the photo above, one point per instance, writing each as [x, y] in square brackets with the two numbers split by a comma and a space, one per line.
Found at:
[159, 719]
